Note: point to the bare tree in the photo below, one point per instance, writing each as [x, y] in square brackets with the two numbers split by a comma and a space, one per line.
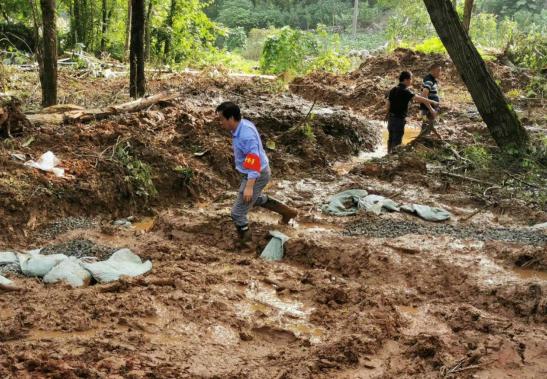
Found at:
[137, 82]
[48, 66]
[355, 17]
[127, 30]
[147, 37]
[497, 113]
[467, 11]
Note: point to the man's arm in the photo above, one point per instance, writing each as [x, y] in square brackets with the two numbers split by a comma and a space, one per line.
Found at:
[427, 102]
[388, 106]
[251, 166]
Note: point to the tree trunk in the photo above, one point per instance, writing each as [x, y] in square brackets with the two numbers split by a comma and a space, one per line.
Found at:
[170, 20]
[455, 4]
[497, 113]
[147, 32]
[104, 24]
[355, 17]
[49, 72]
[467, 11]
[127, 30]
[137, 82]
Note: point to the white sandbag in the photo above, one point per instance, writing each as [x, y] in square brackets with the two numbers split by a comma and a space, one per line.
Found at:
[69, 271]
[122, 263]
[38, 264]
[7, 257]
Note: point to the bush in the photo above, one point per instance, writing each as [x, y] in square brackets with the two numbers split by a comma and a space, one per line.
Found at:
[295, 51]
[236, 39]
[529, 50]
[255, 42]
[287, 50]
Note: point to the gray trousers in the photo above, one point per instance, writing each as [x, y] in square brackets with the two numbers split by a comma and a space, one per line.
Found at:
[241, 209]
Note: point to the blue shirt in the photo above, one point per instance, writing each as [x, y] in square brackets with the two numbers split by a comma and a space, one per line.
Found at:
[245, 141]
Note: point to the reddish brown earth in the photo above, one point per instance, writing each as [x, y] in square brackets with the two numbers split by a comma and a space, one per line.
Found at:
[350, 299]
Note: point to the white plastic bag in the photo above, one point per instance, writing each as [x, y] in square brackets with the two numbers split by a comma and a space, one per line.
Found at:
[69, 271]
[122, 263]
[39, 265]
[48, 162]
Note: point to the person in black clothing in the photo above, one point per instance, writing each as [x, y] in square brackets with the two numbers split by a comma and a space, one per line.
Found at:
[397, 109]
[430, 90]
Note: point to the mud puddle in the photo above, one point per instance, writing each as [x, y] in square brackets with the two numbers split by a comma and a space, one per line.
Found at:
[343, 168]
[529, 274]
[279, 314]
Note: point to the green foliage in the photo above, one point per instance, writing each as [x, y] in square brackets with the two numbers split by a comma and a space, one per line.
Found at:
[478, 156]
[529, 50]
[236, 39]
[287, 50]
[255, 42]
[431, 46]
[236, 13]
[186, 174]
[295, 51]
[138, 173]
[410, 23]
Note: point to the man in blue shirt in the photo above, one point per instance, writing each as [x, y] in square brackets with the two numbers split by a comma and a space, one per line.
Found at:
[252, 163]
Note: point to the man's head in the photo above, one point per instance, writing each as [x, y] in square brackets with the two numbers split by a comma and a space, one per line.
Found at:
[436, 70]
[229, 115]
[405, 78]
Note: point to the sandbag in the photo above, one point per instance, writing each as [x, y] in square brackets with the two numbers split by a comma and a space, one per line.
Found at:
[427, 213]
[38, 264]
[345, 203]
[7, 257]
[69, 271]
[274, 249]
[122, 263]
[375, 204]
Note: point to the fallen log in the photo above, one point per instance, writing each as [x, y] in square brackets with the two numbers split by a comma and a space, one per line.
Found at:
[61, 115]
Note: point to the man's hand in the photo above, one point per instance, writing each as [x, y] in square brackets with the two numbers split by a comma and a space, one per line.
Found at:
[248, 192]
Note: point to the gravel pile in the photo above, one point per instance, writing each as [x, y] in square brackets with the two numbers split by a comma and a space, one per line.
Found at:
[387, 228]
[67, 224]
[79, 248]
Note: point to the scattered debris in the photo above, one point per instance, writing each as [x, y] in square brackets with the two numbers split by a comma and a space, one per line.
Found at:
[349, 202]
[48, 162]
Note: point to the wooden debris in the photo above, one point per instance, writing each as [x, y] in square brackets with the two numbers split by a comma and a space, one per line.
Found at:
[72, 115]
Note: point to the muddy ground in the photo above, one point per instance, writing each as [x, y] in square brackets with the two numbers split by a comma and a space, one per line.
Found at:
[388, 296]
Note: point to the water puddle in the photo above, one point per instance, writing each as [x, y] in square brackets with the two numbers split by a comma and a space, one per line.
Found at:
[342, 168]
[36, 335]
[288, 315]
[529, 274]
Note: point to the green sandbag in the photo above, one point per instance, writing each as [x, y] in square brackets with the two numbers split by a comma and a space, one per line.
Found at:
[345, 203]
[274, 249]
[427, 213]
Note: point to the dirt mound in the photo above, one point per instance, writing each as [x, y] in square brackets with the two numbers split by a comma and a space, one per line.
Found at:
[364, 89]
[165, 154]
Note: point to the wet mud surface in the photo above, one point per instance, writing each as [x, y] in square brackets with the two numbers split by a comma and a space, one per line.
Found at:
[384, 296]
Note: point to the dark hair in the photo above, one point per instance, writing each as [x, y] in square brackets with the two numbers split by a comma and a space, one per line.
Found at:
[404, 76]
[229, 110]
[435, 65]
